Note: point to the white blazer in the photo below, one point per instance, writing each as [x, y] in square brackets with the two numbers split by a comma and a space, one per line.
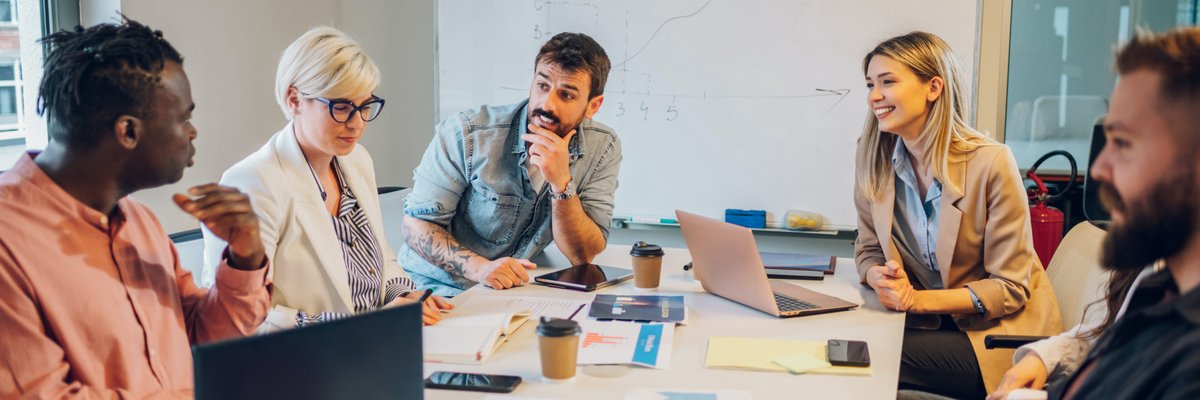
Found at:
[307, 269]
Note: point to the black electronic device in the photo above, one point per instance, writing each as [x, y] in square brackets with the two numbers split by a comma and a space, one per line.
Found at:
[472, 382]
[849, 353]
[374, 355]
[586, 277]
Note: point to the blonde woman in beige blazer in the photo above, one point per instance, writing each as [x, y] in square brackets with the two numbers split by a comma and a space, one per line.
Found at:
[943, 223]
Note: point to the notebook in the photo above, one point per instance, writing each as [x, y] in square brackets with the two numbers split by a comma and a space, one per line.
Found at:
[470, 339]
[784, 261]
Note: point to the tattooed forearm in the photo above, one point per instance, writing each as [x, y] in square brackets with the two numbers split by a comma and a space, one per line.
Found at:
[434, 244]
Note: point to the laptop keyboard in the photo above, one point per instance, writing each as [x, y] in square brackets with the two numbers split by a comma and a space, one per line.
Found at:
[790, 304]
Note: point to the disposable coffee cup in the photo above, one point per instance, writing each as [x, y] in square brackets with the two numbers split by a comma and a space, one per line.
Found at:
[647, 265]
[558, 344]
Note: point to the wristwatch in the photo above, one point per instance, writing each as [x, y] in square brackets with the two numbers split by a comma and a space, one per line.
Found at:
[567, 192]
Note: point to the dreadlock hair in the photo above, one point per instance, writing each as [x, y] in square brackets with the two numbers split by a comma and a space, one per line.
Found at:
[93, 76]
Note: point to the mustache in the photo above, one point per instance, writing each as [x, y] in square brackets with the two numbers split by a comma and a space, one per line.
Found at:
[545, 114]
[1110, 199]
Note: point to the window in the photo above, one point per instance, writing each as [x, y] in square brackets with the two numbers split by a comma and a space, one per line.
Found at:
[22, 23]
[12, 137]
[1060, 70]
[8, 11]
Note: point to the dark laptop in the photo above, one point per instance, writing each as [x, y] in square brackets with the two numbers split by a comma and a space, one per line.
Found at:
[376, 355]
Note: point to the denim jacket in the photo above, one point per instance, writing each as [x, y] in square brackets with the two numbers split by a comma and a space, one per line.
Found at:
[473, 182]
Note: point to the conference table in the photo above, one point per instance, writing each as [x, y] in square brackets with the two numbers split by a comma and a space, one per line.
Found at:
[709, 316]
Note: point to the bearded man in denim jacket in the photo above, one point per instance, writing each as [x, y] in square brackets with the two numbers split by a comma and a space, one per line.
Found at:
[499, 183]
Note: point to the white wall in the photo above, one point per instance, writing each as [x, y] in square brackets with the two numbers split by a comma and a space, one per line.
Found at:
[231, 49]
[93, 12]
[399, 35]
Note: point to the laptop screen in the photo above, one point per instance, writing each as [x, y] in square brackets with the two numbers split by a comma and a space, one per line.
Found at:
[370, 356]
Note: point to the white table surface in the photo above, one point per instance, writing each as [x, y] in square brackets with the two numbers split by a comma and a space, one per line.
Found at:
[709, 315]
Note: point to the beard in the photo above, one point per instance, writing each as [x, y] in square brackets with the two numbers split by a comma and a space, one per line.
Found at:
[560, 128]
[1156, 226]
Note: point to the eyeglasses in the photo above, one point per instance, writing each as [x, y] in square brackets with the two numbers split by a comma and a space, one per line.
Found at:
[342, 110]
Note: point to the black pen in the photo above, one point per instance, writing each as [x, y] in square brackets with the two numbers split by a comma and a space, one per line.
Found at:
[425, 296]
[577, 310]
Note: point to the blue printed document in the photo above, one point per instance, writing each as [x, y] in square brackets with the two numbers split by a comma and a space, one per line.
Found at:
[618, 342]
[641, 308]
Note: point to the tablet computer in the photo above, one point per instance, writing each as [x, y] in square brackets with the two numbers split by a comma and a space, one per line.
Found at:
[586, 277]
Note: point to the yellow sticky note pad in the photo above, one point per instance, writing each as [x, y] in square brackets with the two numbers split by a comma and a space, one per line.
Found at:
[800, 363]
[760, 354]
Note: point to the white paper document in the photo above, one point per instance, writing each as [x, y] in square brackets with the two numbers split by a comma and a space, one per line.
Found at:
[537, 306]
[619, 342]
[686, 394]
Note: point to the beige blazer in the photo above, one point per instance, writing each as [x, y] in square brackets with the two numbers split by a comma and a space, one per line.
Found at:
[307, 271]
[984, 242]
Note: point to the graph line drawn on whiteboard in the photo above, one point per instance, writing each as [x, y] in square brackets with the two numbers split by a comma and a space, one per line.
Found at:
[660, 27]
[840, 92]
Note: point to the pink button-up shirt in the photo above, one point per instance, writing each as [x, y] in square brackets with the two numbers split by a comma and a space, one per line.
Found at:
[97, 306]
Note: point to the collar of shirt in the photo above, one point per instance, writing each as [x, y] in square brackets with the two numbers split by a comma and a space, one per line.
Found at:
[1154, 288]
[348, 202]
[904, 171]
[28, 169]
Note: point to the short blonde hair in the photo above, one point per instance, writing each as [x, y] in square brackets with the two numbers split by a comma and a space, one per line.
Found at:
[325, 62]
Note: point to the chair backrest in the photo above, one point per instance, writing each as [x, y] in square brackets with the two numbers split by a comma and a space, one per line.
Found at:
[391, 206]
[1076, 275]
[1065, 116]
[190, 245]
[1093, 210]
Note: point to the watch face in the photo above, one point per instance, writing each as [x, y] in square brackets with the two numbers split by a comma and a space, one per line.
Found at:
[567, 192]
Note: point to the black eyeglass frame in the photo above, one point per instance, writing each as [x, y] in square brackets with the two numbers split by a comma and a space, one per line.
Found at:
[357, 109]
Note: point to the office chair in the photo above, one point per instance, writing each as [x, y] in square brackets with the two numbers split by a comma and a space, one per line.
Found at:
[391, 206]
[1092, 209]
[1078, 281]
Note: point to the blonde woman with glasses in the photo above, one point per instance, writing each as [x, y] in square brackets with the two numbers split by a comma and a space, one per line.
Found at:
[943, 223]
[313, 188]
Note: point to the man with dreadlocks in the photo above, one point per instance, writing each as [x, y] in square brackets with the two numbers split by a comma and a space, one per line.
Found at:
[93, 301]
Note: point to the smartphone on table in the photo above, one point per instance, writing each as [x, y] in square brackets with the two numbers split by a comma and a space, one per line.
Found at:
[472, 382]
[849, 353]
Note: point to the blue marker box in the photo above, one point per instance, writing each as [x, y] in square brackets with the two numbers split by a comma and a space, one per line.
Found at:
[756, 219]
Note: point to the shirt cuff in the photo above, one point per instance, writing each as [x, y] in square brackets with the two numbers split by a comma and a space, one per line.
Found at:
[979, 307]
[241, 281]
[991, 295]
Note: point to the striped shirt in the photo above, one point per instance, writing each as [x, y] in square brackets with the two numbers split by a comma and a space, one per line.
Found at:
[363, 259]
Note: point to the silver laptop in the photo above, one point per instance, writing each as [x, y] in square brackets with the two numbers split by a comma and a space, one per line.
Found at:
[727, 262]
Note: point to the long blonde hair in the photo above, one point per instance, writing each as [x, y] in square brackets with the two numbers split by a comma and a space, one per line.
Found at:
[928, 57]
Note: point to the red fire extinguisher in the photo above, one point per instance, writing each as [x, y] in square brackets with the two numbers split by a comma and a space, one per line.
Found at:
[1047, 221]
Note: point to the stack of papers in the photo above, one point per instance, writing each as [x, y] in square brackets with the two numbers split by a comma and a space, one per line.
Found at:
[796, 356]
[773, 260]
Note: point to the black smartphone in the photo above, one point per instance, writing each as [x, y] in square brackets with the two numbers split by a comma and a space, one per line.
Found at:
[472, 382]
[850, 353]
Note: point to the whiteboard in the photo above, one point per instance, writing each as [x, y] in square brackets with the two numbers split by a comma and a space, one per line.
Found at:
[718, 103]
